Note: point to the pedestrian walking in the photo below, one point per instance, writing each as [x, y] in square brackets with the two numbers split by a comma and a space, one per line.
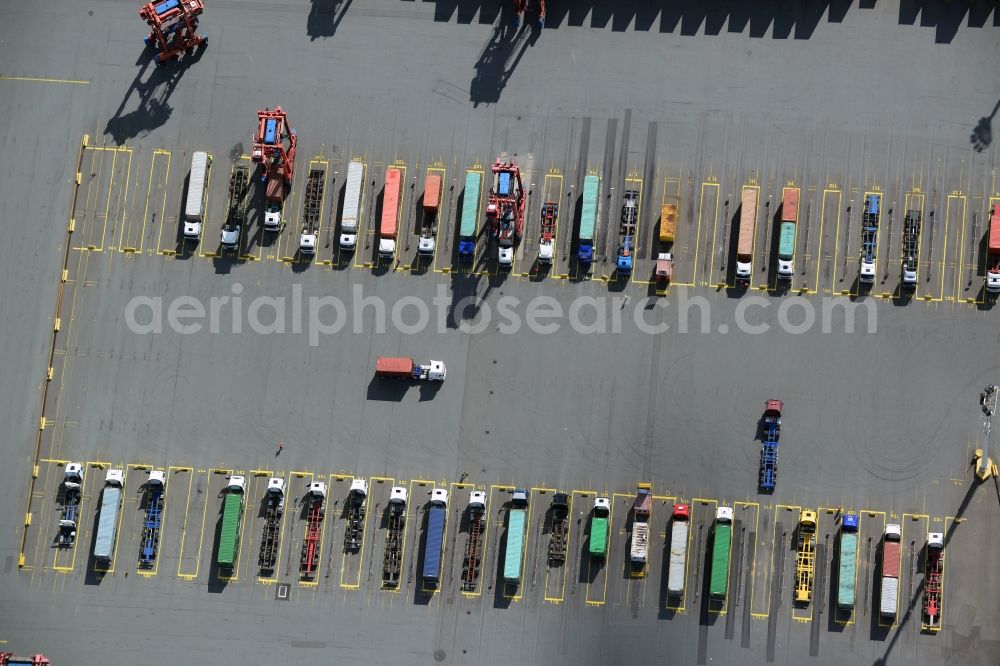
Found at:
[281, 447]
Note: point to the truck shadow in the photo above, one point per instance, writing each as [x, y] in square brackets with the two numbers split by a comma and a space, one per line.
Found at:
[590, 567]
[627, 567]
[668, 604]
[709, 608]
[387, 389]
[876, 630]
[503, 593]
[423, 595]
[218, 578]
[833, 612]
[94, 575]
[775, 285]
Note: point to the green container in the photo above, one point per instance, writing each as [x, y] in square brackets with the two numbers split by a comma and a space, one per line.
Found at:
[846, 574]
[719, 580]
[598, 543]
[515, 543]
[786, 240]
[588, 216]
[470, 205]
[232, 511]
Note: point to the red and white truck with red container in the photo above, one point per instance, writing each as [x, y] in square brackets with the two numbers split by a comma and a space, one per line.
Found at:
[399, 367]
[993, 251]
[389, 229]
[889, 599]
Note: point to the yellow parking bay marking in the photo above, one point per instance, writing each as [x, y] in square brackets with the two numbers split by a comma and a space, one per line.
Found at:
[39, 79]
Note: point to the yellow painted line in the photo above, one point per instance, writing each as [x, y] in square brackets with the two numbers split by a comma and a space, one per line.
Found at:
[748, 594]
[556, 176]
[160, 186]
[410, 514]
[907, 519]
[39, 79]
[715, 224]
[440, 224]
[960, 248]
[913, 195]
[484, 551]
[267, 474]
[149, 573]
[79, 531]
[836, 241]
[566, 562]
[361, 215]
[364, 533]
[775, 544]
[201, 535]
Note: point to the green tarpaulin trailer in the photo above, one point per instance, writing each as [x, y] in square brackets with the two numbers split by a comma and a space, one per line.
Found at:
[229, 535]
[719, 578]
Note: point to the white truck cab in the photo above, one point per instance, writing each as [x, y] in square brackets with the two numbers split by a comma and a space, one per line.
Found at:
[237, 484]
[505, 257]
[724, 514]
[425, 245]
[359, 487]
[477, 499]
[272, 217]
[439, 496]
[115, 477]
[73, 475]
[546, 251]
[786, 267]
[387, 248]
[157, 478]
[993, 281]
[867, 271]
[307, 243]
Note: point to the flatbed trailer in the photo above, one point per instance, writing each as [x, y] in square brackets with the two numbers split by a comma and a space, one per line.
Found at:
[392, 562]
[559, 529]
[274, 508]
[152, 520]
[312, 211]
[547, 239]
[473, 547]
[357, 503]
[911, 247]
[626, 234]
[71, 493]
[805, 557]
[769, 447]
[933, 582]
[236, 211]
[312, 541]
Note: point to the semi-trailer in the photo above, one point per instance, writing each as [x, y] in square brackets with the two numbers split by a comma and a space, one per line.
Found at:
[889, 598]
[232, 517]
[312, 541]
[642, 509]
[274, 507]
[389, 227]
[993, 251]
[429, 223]
[805, 557]
[392, 562]
[677, 565]
[406, 368]
[911, 247]
[516, 519]
[152, 522]
[434, 538]
[626, 233]
[470, 217]
[933, 581]
[664, 255]
[786, 232]
[352, 205]
[588, 220]
[473, 547]
[107, 522]
[744, 239]
[559, 529]
[236, 211]
[848, 556]
[194, 205]
[769, 446]
[597, 542]
[312, 211]
[547, 240]
[357, 503]
[72, 493]
[869, 237]
[722, 537]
